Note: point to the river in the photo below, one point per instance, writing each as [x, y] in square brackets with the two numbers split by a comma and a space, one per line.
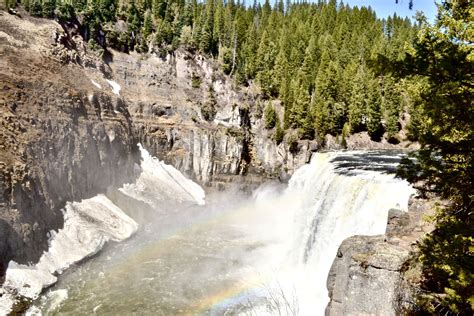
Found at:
[229, 253]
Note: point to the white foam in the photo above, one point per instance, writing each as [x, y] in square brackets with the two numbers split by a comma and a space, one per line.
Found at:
[115, 86]
[6, 303]
[333, 207]
[56, 298]
[87, 226]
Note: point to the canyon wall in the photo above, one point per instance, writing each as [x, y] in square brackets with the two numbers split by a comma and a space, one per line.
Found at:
[70, 124]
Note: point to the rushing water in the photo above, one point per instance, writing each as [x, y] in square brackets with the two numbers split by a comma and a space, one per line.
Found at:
[265, 254]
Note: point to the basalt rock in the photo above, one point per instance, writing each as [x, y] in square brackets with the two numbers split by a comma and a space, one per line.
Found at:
[60, 140]
[366, 274]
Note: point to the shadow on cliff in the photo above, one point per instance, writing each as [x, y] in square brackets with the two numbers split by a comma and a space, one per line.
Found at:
[9, 239]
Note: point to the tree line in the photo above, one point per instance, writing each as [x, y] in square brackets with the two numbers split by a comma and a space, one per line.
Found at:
[440, 66]
[335, 70]
[313, 57]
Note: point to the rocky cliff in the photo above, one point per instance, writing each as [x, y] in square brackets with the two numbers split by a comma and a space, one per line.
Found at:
[367, 275]
[167, 98]
[60, 140]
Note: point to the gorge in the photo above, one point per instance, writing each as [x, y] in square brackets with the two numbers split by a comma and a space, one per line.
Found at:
[266, 254]
[116, 154]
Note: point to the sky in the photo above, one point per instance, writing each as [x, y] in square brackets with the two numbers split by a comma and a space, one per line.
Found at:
[384, 8]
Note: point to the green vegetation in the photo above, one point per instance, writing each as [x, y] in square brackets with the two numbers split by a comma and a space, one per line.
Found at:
[208, 109]
[313, 57]
[270, 116]
[195, 81]
[441, 68]
[292, 143]
[279, 132]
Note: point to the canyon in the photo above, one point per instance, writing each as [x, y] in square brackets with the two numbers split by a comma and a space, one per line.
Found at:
[72, 119]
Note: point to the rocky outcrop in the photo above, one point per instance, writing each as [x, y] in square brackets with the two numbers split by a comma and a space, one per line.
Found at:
[365, 276]
[166, 97]
[60, 140]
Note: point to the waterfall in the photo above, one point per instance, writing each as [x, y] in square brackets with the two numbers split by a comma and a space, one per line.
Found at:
[262, 255]
[340, 195]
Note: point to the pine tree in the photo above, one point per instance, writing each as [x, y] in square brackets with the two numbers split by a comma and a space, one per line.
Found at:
[10, 3]
[270, 116]
[48, 8]
[281, 68]
[147, 25]
[265, 65]
[286, 96]
[374, 115]
[207, 43]
[208, 110]
[279, 132]
[219, 24]
[309, 68]
[391, 108]
[358, 101]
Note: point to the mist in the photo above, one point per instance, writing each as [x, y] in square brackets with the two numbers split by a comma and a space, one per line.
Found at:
[268, 252]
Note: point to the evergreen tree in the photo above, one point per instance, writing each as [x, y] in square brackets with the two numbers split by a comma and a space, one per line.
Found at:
[391, 108]
[358, 101]
[208, 110]
[374, 115]
[147, 25]
[48, 8]
[10, 3]
[265, 63]
[219, 23]
[207, 43]
[279, 132]
[270, 116]
[286, 96]
[442, 60]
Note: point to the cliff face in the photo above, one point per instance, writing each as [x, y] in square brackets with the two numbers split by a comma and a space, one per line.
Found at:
[366, 277]
[70, 123]
[167, 99]
[60, 141]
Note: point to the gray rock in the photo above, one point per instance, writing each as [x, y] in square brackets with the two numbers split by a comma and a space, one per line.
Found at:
[365, 276]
